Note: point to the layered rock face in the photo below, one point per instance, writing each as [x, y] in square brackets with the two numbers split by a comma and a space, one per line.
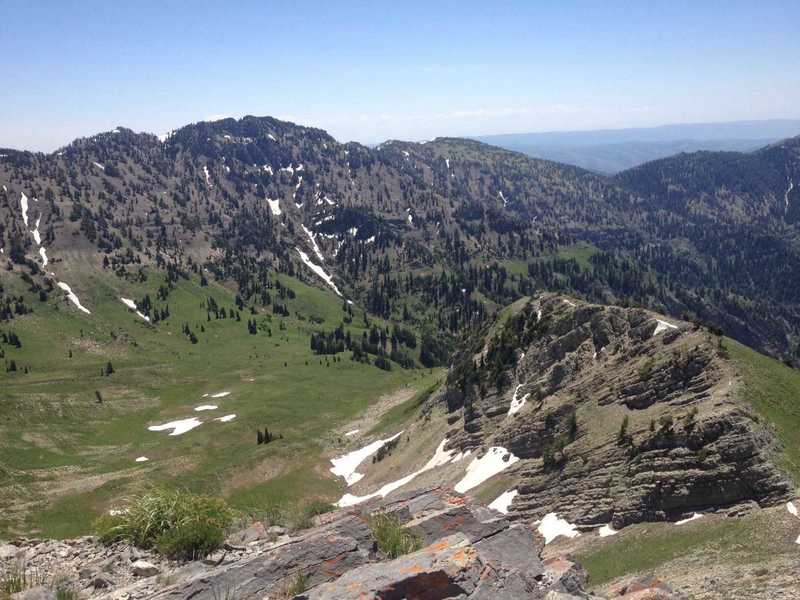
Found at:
[468, 551]
[619, 415]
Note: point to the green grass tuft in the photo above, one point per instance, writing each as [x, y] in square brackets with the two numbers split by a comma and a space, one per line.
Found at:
[393, 539]
[177, 523]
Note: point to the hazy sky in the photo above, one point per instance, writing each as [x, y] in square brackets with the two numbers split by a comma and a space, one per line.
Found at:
[369, 71]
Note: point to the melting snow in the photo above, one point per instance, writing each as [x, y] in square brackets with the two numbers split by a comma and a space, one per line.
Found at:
[206, 407]
[226, 418]
[178, 427]
[663, 326]
[72, 297]
[607, 530]
[517, 403]
[318, 270]
[142, 459]
[440, 457]
[314, 242]
[692, 518]
[274, 206]
[43, 254]
[551, 527]
[23, 202]
[345, 466]
[132, 305]
[36, 235]
[503, 501]
[479, 470]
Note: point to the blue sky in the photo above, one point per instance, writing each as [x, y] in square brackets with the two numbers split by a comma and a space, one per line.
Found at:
[370, 71]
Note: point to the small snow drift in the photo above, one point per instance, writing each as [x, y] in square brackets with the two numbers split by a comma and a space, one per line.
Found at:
[551, 527]
[479, 470]
[72, 297]
[274, 206]
[226, 418]
[23, 204]
[663, 326]
[203, 407]
[607, 530]
[132, 305]
[178, 427]
[694, 517]
[220, 394]
[503, 501]
[345, 466]
[142, 459]
[440, 457]
[517, 403]
[318, 270]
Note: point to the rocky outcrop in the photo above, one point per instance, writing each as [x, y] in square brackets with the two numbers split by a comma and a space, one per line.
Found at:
[468, 551]
[626, 416]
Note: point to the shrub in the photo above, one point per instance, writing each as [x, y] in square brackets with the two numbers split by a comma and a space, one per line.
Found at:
[190, 541]
[393, 539]
[176, 522]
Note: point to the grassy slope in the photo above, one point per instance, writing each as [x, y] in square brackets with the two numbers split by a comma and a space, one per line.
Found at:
[773, 389]
[64, 457]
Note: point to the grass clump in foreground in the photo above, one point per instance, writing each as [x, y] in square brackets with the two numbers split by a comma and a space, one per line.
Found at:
[393, 539]
[178, 524]
[17, 578]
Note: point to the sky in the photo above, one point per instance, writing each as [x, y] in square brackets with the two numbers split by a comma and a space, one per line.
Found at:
[371, 71]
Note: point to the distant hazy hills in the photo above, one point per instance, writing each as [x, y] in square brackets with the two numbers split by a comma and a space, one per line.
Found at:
[614, 150]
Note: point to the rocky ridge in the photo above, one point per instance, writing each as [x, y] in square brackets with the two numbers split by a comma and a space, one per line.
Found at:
[617, 415]
[469, 551]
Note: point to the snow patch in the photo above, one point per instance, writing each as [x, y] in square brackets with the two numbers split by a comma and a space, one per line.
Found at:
[663, 326]
[694, 517]
[178, 427]
[274, 206]
[791, 508]
[43, 254]
[479, 470]
[516, 402]
[226, 418]
[310, 235]
[786, 195]
[207, 176]
[503, 198]
[318, 270]
[440, 457]
[220, 394]
[607, 530]
[503, 501]
[142, 459]
[203, 407]
[551, 527]
[352, 433]
[72, 297]
[132, 305]
[345, 466]
[23, 203]
[99, 166]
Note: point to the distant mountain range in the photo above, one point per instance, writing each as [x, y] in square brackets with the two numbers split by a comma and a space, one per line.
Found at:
[614, 150]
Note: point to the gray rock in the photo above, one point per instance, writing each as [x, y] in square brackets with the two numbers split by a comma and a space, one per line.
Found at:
[9, 551]
[143, 568]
